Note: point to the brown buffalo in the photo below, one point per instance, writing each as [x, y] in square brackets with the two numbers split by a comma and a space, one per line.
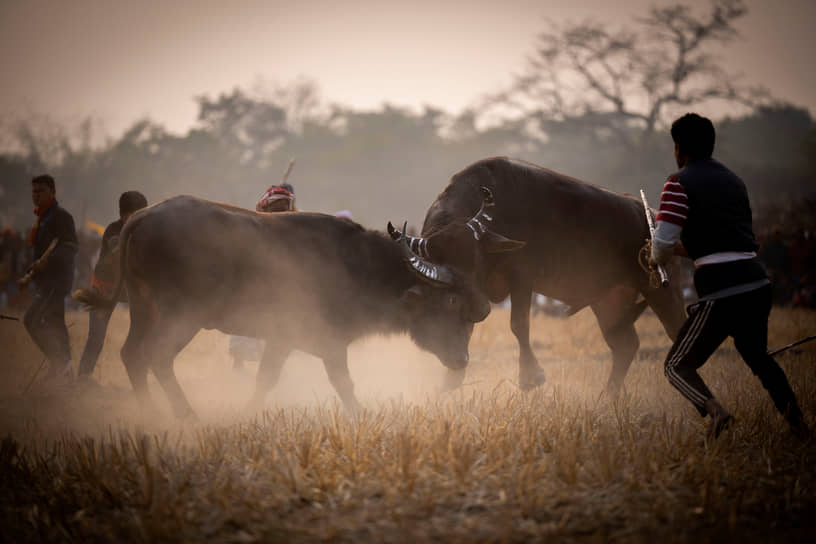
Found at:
[299, 280]
[509, 227]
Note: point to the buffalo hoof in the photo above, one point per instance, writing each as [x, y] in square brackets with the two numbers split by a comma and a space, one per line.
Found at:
[531, 379]
[353, 407]
[614, 390]
[453, 380]
[188, 418]
[256, 404]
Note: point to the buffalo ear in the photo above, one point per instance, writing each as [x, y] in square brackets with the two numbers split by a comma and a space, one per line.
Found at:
[413, 297]
[480, 309]
[496, 243]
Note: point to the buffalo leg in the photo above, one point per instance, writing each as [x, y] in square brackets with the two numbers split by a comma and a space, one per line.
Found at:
[668, 305]
[165, 341]
[132, 352]
[453, 379]
[530, 372]
[336, 363]
[268, 374]
[616, 315]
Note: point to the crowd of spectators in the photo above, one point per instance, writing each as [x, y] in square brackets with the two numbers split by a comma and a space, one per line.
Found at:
[14, 261]
[785, 234]
[790, 259]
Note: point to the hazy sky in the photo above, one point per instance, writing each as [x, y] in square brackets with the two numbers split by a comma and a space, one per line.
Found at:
[119, 61]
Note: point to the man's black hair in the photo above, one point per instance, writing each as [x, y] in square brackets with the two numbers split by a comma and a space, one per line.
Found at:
[288, 187]
[694, 135]
[130, 201]
[45, 179]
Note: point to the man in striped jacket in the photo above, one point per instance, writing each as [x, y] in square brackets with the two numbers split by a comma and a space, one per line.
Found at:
[704, 212]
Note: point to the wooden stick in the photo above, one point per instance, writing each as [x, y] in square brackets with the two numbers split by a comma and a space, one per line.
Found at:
[661, 271]
[288, 170]
[31, 381]
[25, 280]
[802, 341]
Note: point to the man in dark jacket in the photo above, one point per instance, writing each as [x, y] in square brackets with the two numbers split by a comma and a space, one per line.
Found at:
[53, 274]
[104, 280]
[704, 210]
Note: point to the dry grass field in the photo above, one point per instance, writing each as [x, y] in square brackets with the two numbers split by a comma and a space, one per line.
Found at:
[486, 463]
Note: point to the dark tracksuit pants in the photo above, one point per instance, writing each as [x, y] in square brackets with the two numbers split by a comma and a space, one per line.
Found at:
[745, 318]
[45, 322]
[97, 327]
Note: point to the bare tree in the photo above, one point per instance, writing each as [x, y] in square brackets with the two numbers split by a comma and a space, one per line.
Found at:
[255, 124]
[618, 80]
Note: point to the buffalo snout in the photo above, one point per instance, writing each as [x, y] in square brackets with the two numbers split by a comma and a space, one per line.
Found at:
[457, 362]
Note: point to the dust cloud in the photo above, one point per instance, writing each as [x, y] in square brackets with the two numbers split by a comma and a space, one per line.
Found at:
[384, 369]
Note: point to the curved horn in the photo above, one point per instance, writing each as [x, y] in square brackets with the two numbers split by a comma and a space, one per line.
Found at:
[479, 222]
[393, 232]
[417, 245]
[434, 273]
[487, 196]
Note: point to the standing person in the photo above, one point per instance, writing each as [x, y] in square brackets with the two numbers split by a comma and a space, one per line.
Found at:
[774, 255]
[53, 275]
[705, 207]
[7, 266]
[278, 198]
[12, 265]
[104, 280]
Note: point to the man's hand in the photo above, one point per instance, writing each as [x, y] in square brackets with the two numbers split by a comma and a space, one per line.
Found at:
[39, 265]
[35, 269]
[678, 250]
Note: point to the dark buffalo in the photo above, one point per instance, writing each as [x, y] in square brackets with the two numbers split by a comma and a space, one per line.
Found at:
[509, 227]
[299, 280]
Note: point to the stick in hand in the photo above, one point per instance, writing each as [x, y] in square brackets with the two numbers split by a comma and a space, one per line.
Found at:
[25, 280]
[664, 278]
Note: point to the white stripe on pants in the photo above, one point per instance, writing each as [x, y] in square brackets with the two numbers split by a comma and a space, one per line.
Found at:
[686, 389]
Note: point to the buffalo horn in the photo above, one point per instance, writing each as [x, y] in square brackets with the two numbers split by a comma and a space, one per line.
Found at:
[434, 273]
[417, 245]
[479, 222]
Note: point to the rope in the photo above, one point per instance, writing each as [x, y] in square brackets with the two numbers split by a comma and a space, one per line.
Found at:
[643, 261]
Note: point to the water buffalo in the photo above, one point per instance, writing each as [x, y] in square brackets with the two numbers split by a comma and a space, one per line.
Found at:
[510, 227]
[303, 281]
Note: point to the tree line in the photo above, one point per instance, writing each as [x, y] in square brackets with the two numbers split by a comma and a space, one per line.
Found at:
[593, 103]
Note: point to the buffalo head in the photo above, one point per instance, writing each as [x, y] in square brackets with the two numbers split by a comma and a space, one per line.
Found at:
[440, 315]
[461, 249]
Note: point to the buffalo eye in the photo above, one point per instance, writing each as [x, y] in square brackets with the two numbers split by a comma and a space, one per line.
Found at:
[452, 301]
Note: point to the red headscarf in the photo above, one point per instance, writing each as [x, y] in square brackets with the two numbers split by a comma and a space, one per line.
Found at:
[274, 194]
[39, 211]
